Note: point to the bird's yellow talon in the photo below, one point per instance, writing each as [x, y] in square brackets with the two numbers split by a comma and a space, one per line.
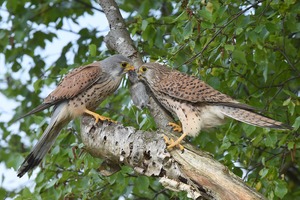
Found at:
[103, 118]
[176, 127]
[99, 117]
[171, 143]
[176, 144]
[167, 140]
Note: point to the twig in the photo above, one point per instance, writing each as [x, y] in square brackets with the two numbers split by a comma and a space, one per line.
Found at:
[218, 32]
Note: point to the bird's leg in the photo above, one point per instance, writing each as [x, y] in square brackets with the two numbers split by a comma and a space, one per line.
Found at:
[171, 143]
[98, 117]
[176, 127]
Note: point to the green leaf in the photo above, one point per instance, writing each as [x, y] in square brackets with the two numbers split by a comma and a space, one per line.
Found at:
[225, 144]
[26, 194]
[291, 105]
[19, 35]
[249, 129]
[177, 35]
[287, 102]
[40, 178]
[291, 145]
[51, 183]
[253, 36]
[229, 47]
[159, 38]
[2, 34]
[272, 27]
[263, 161]
[37, 85]
[93, 49]
[207, 16]
[263, 172]
[3, 193]
[141, 185]
[142, 123]
[144, 25]
[296, 125]
[265, 73]
[271, 140]
[55, 150]
[148, 35]
[239, 56]
[281, 189]
[239, 30]
[180, 17]
[187, 30]
[283, 140]
[14, 161]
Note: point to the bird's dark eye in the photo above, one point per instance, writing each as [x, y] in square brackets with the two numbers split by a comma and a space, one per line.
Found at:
[143, 69]
[124, 64]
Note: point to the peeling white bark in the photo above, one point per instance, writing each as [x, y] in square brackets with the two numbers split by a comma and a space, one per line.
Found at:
[193, 171]
[178, 186]
[144, 151]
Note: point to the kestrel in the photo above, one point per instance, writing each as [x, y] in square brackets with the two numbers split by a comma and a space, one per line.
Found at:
[80, 92]
[197, 105]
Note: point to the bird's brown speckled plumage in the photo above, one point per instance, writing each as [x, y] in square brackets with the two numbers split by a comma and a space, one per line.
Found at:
[197, 105]
[81, 91]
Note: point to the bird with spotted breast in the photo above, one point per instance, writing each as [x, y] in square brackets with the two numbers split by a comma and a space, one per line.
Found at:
[197, 105]
[80, 92]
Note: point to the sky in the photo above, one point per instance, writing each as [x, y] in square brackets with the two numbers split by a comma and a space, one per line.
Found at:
[8, 177]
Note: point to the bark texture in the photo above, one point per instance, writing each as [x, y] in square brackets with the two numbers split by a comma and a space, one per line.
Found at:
[193, 171]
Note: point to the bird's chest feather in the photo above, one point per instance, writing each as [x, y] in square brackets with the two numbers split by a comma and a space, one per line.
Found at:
[91, 97]
[193, 117]
[186, 113]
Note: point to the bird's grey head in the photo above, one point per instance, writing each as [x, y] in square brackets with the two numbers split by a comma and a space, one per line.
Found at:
[150, 72]
[116, 65]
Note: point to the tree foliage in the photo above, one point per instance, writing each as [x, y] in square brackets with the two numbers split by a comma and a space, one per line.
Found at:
[246, 49]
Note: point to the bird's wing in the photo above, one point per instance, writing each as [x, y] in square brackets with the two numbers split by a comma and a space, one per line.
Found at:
[188, 88]
[76, 82]
[72, 84]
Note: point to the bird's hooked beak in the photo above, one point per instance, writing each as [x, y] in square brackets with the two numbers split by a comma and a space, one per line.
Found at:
[129, 68]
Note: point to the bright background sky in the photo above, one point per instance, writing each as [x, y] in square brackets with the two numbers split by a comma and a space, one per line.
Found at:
[8, 177]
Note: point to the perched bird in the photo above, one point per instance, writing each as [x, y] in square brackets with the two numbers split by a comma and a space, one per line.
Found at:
[197, 105]
[80, 92]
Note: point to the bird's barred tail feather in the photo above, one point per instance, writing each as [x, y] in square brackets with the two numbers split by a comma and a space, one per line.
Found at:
[35, 110]
[253, 118]
[58, 121]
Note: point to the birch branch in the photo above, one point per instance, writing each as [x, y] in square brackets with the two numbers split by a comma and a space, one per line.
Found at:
[193, 171]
